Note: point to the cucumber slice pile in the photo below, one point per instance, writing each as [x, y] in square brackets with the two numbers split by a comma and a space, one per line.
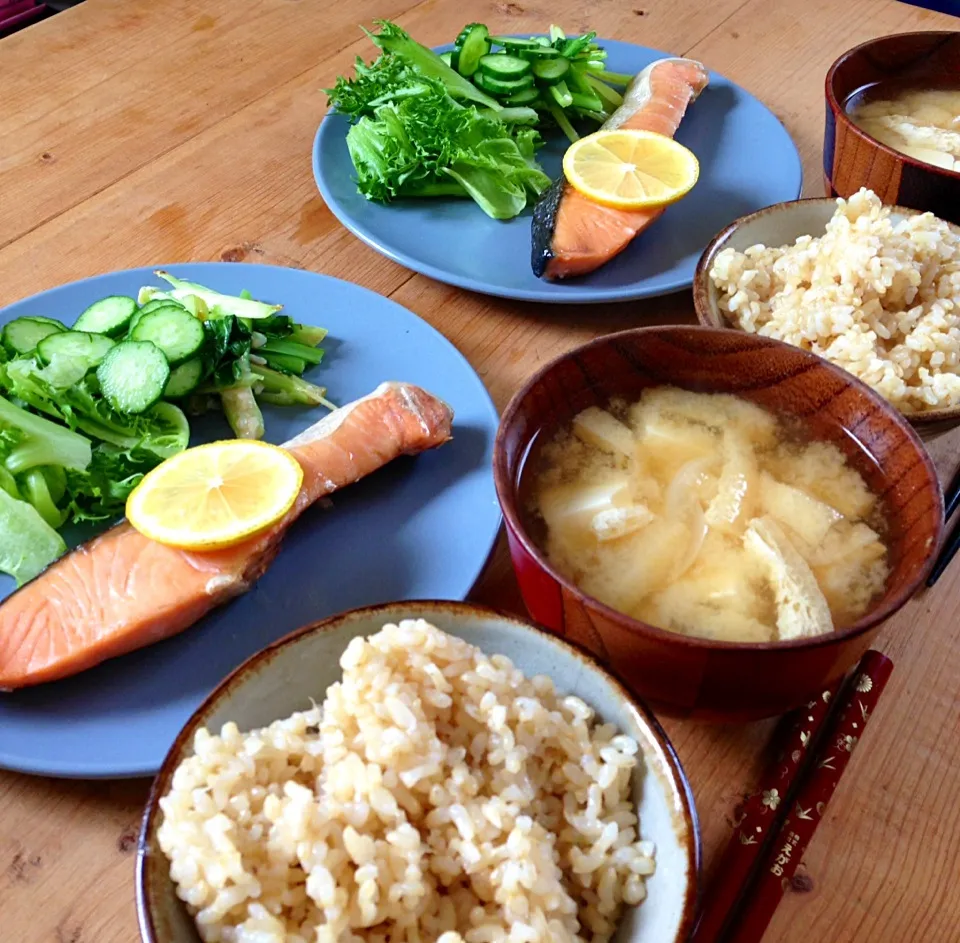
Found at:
[136, 352]
[557, 77]
[140, 353]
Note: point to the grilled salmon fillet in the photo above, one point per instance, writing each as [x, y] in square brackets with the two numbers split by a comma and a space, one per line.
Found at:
[572, 235]
[122, 591]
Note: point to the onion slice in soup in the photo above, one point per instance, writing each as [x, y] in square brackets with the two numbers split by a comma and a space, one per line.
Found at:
[682, 504]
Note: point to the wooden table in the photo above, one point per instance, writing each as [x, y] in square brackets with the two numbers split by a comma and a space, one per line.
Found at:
[134, 132]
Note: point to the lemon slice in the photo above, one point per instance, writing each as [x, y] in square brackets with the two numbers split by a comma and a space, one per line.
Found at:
[630, 170]
[215, 495]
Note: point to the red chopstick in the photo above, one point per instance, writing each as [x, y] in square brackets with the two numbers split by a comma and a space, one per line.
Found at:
[10, 8]
[844, 731]
[19, 16]
[758, 817]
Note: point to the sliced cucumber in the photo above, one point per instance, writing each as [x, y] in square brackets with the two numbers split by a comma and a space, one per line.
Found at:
[109, 315]
[472, 45]
[43, 320]
[155, 304]
[184, 379]
[447, 58]
[82, 348]
[158, 304]
[176, 332]
[133, 376]
[523, 97]
[502, 87]
[465, 32]
[551, 71]
[501, 66]
[535, 53]
[22, 335]
[534, 47]
[514, 42]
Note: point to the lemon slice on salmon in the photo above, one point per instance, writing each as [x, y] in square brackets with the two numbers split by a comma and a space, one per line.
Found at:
[215, 495]
[630, 170]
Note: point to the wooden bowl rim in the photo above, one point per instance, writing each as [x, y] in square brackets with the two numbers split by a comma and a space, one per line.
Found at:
[691, 839]
[507, 496]
[713, 318]
[840, 113]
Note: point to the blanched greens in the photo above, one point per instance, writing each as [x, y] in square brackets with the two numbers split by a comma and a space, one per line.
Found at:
[51, 473]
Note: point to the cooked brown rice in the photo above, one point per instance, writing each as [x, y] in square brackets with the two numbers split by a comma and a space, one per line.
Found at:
[436, 795]
[877, 297]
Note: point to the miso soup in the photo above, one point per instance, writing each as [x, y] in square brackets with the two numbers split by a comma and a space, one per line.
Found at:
[923, 123]
[706, 515]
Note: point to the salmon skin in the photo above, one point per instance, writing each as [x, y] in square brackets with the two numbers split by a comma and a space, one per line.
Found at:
[122, 591]
[572, 235]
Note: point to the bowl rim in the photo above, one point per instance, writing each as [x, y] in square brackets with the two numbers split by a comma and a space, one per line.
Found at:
[836, 106]
[707, 313]
[507, 495]
[691, 841]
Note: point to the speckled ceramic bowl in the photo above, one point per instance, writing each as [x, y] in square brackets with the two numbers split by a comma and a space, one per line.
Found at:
[282, 678]
[779, 225]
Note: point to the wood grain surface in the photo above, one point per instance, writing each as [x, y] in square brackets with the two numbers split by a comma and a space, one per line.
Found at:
[136, 132]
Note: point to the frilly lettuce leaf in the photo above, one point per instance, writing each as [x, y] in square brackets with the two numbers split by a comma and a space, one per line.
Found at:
[429, 145]
[29, 543]
[397, 43]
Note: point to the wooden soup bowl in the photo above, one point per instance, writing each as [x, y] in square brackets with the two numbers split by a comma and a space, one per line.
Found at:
[852, 159]
[697, 677]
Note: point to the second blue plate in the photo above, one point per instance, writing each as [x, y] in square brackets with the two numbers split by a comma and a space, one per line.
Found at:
[747, 161]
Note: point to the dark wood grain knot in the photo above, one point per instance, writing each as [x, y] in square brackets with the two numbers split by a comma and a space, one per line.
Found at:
[509, 9]
[47, 157]
[801, 883]
[639, 12]
[127, 842]
[239, 253]
[69, 931]
[23, 867]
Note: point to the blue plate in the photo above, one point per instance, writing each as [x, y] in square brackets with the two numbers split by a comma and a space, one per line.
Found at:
[747, 162]
[420, 528]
